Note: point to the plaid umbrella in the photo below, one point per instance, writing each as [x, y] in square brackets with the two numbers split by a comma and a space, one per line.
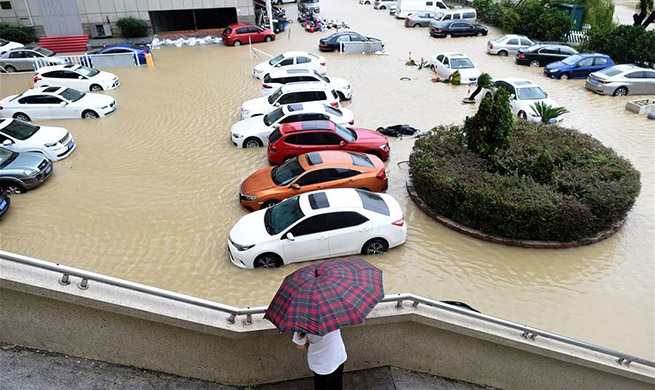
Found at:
[320, 298]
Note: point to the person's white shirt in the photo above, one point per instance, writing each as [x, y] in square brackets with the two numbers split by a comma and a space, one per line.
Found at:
[325, 353]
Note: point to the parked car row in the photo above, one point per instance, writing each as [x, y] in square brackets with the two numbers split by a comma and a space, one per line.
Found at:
[322, 195]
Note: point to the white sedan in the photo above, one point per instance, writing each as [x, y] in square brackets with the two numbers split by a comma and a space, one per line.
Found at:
[54, 143]
[445, 64]
[523, 96]
[290, 94]
[56, 103]
[278, 78]
[6, 45]
[291, 60]
[77, 77]
[317, 225]
[253, 132]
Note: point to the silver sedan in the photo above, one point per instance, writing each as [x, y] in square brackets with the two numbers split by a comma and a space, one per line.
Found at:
[621, 80]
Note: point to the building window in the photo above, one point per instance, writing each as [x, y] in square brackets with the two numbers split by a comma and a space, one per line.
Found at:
[5, 5]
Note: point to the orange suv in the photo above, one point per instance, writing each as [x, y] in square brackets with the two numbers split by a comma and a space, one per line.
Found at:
[313, 171]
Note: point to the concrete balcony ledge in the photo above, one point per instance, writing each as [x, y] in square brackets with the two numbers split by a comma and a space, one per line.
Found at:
[123, 326]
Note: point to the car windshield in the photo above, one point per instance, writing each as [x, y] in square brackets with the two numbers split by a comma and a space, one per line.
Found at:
[227, 31]
[333, 111]
[321, 77]
[572, 60]
[6, 157]
[531, 93]
[275, 60]
[282, 215]
[347, 134]
[86, 71]
[20, 130]
[71, 94]
[285, 173]
[275, 95]
[273, 116]
[45, 52]
[461, 63]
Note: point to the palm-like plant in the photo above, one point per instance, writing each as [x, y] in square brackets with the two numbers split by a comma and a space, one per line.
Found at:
[484, 81]
[456, 78]
[548, 112]
[644, 7]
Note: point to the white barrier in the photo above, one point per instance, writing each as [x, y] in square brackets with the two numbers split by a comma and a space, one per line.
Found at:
[98, 61]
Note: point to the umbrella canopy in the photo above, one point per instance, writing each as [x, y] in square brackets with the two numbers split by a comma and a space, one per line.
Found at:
[321, 298]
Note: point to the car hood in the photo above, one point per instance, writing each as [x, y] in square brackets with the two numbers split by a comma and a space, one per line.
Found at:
[547, 101]
[557, 65]
[338, 82]
[262, 67]
[251, 125]
[95, 100]
[47, 135]
[26, 160]
[468, 74]
[366, 135]
[104, 76]
[256, 105]
[250, 229]
[258, 181]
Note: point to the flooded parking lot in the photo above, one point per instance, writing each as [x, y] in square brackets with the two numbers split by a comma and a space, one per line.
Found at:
[150, 194]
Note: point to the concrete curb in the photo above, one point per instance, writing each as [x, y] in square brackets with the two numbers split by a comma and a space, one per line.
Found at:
[502, 240]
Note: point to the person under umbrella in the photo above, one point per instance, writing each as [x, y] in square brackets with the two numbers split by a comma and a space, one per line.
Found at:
[315, 301]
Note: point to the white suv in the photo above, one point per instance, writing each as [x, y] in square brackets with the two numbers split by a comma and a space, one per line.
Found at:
[291, 60]
[278, 78]
[253, 132]
[317, 225]
[290, 94]
[54, 143]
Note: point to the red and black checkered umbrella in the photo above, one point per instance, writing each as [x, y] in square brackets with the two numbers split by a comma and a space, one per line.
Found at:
[320, 298]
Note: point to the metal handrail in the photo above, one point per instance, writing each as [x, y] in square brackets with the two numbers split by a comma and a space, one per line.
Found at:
[528, 333]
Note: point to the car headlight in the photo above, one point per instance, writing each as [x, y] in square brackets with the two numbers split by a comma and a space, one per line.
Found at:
[241, 248]
[103, 107]
[249, 197]
[384, 147]
[30, 172]
[245, 112]
[237, 135]
[50, 145]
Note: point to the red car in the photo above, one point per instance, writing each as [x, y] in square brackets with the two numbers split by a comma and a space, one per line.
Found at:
[292, 139]
[238, 34]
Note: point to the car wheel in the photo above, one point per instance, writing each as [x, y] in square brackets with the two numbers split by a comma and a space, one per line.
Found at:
[267, 260]
[375, 246]
[13, 188]
[488, 95]
[621, 91]
[367, 2]
[279, 2]
[268, 38]
[22, 117]
[416, 25]
[10, 69]
[269, 203]
[478, 33]
[383, 7]
[90, 114]
[236, 43]
[523, 115]
[502, 53]
[449, 36]
[564, 76]
[95, 88]
[252, 142]
[535, 63]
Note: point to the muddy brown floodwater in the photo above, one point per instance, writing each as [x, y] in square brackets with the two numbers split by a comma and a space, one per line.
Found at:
[150, 194]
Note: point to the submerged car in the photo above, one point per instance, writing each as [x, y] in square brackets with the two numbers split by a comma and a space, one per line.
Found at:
[292, 139]
[56, 103]
[290, 60]
[313, 171]
[542, 54]
[508, 44]
[578, 66]
[420, 19]
[290, 94]
[24, 58]
[6, 45]
[457, 28]
[622, 80]
[139, 51]
[253, 132]
[278, 78]
[333, 42]
[77, 77]
[238, 34]
[55, 143]
[20, 172]
[445, 64]
[317, 225]
[523, 96]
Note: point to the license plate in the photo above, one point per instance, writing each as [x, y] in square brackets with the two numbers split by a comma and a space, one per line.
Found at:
[70, 145]
[552, 120]
[3, 204]
[118, 82]
[48, 169]
[593, 81]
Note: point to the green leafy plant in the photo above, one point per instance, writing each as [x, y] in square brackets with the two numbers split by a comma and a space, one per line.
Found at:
[484, 82]
[133, 27]
[490, 129]
[456, 78]
[547, 112]
[598, 13]
[624, 43]
[17, 33]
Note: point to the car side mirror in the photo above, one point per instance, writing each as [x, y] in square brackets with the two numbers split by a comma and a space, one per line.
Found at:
[277, 104]
[342, 143]
[80, 78]
[295, 186]
[291, 237]
[512, 96]
[63, 104]
[7, 142]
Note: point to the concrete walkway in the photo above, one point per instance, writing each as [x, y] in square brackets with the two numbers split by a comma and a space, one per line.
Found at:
[30, 369]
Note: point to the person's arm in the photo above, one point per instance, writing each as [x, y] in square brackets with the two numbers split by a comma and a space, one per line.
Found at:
[300, 339]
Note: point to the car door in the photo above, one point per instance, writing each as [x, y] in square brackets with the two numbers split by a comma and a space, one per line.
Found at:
[303, 62]
[649, 80]
[58, 108]
[304, 142]
[20, 60]
[286, 63]
[75, 80]
[512, 45]
[443, 67]
[332, 141]
[257, 34]
[636, 83]
[315, 180]
[347, 231]
[310, 240]
[547, 54]
[345, 39]
[583, 68]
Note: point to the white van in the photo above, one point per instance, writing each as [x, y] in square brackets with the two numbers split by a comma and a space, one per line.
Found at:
[466, 14]
[406, 7]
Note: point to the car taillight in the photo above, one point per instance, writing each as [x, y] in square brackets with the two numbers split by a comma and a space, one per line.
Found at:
[352, 122]
[323, 44]
[491, 46]
[37, 78]
[436, 30]
[1, 108]
[382, 174]
[409, 20]
[399, 222]
[273, 148]
[334, 104]
[521, 55]
[322, 63]
[266, 86]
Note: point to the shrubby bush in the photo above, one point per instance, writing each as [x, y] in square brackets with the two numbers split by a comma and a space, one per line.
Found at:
[625, 44]
[133, 27]
[550, 183]
[16, 33]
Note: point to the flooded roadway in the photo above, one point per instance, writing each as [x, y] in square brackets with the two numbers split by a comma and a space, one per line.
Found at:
[150, 194]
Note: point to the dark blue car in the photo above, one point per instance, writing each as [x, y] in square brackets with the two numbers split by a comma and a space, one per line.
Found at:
[140, 50]
[578, 66]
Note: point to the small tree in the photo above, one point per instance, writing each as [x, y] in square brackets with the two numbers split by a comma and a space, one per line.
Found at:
[133, 27]
[643, 18]
[484, 81]
[16, 33]
[625, 44]
[548, 112]
[489, 130]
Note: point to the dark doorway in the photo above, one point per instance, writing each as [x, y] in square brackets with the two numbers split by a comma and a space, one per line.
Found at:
[192, 19]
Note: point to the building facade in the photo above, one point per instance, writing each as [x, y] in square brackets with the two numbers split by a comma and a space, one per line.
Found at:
[98, 18]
